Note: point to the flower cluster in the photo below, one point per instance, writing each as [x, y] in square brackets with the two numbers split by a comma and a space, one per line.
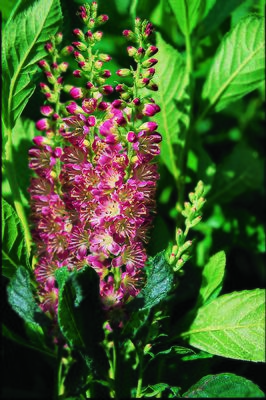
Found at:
[94, 198]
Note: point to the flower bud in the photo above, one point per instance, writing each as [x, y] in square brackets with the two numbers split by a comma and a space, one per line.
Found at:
[98, 64]
[124, 72]
[77, 73]
[49, 47]
[97, 36]
[131, 51]
[149, 126]
[106, 89]
[152, 86]
[76, 93]
[129, 34]
[63, 66]
[132, 137]
[42, 124]
[104, 57]
[58, 38]
[78, 56]
[148, 73]
[78, 32]
[46, 110]
[151, 51]
[136, 101]
[80, 46]
[103, 106]
[117, 103]
[150, 109]
[149, 63]
[67, 50]
[44, 65]
[73, 108]
[102, 19]
[50, 77]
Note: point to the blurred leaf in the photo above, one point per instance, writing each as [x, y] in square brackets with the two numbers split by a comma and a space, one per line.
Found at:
[24, 37]
[172, 352]
[224, 385]
[212, 278]
[187, 13]
[159, 283]
[242, 170]
[13, 244]
[219, 10]
[173, 97]
[233, 325]
[239, 63]
[21, 298]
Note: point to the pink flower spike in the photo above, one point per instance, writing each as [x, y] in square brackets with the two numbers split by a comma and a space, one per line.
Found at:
[42, 124]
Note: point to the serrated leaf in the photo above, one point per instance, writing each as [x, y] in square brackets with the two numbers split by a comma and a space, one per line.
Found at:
[187, 13]
[239, 64]
[240, 171]
[225, 385]
[21, 298]
[159, 284]
[174, 99]
[233, 325]
[24, 37]
[13, 244]
[212, 278]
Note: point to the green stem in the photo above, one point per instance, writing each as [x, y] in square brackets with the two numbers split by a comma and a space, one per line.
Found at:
[140, 377]
[12, 180]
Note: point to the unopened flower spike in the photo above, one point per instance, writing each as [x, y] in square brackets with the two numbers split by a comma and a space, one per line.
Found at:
[179, 253]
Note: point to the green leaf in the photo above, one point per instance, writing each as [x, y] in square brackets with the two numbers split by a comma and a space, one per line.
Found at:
[24, 342]
[159, 283]
[233, 325]
[187, 13]
[223, 386]
[154, 390]
[24, 37]
[218, 11]
[239, 64]
[171, 352]
[13, 244]
[240, 171]
[212, 278]
[80, 314]
[173, 97]
[21, 298]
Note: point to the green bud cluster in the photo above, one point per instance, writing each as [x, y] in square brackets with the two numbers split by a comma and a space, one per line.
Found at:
[180, 252]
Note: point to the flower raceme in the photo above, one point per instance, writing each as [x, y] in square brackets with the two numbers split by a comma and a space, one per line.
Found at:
[93, 200]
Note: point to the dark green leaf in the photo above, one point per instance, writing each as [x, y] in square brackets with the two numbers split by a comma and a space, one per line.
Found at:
[239, 64]
[233, 325]
[80, 314]
[174, 99]
[13, 243]
[159, 283]
[24, 37]
[240, 171]
[21, 298]
[224, 386]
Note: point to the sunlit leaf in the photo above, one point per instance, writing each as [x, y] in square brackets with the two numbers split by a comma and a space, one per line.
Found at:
[233, 325]
[173, 98]
[239, 64]
[224, 386]
[13, 242]
[24, 37]
[187, 13]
